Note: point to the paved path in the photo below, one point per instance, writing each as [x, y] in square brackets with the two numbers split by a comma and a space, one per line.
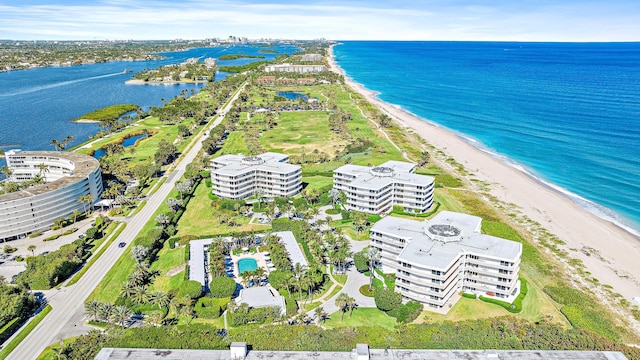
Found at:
[68, 303]
[352, 287]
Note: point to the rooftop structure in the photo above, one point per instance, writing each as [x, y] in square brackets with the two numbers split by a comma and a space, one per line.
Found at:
[239, 351]
[239, 176]
[312, 57]
[261, 296]
[295, 68]
[434, 260]
[68, 177]
[377, 189]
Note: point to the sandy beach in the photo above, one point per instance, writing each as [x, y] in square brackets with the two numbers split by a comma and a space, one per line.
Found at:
[609, 253]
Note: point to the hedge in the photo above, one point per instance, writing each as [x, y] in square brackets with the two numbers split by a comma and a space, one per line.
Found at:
[210, 308]
[24, 332]
[9, 329]
[398, 211]
[469, 296]
[516, 307]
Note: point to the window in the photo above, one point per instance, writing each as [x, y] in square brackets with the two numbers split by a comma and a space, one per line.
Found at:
[436, 272]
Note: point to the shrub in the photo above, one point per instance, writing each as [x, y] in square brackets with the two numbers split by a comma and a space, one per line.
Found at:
[210, 308]
[332, 212]
[222, 287]
[8, 249]
[35, 234]
[387, 299]
[364, 290]
[361, 262]
[469, 296]
[190, 288]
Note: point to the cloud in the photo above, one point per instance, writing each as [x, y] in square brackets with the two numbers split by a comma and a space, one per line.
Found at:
[368, 20]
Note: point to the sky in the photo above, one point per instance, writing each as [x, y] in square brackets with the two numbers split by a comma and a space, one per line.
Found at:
[487, 20]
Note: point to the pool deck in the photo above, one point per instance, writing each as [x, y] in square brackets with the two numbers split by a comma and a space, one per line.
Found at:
[259, 257]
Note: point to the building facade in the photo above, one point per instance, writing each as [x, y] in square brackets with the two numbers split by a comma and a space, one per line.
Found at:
[67, 176]
[434, 260]
[376, 190]
[239, 176]
[302, 69]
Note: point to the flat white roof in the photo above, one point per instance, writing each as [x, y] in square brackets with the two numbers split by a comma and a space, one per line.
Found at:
[400, 173]
[197, 269]
[295, 253]
[270, 162]
[424, 249]
[261, 296]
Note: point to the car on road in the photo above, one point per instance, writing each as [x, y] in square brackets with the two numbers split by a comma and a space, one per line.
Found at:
[122, 244]
[81, 236]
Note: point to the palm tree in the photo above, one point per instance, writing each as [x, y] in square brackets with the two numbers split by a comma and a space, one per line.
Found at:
[298, 272]
[259, 273]
[6, 171]
[92, 308]
[321, 315]
[32, 248]
[373, 255]
[85, 198]
[351, 304]
[159, 298]
[139, 295]
[105, 311]
[162, 219]
[59, 223]
[341, 303]
[43, 169]
[120, 315]
[155, 318]
[128, 288]
[56, 144]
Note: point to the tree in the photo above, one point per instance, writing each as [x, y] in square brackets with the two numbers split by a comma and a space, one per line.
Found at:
[59, 223]
[341, 303]
[360, 261]
[174, 204]
[88, 199]
[321, 315]
[139, 253]
[163, 220]
[92, 308]
[159, 298]
[351, 304]
[43, 169]
[373, 255]
[32, 248]
[6, 171]
[139, 295]
[75, 215]
[387, 299]
[191, 289]
[222, 286]
[120, 315]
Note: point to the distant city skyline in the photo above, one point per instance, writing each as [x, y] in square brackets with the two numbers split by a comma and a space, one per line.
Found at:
[493, 20]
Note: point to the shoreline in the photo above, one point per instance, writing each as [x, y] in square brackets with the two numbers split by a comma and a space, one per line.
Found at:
[616, 250]
[142, 82]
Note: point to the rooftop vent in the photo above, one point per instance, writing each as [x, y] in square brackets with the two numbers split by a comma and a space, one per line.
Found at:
[252, 160]
[382, 171]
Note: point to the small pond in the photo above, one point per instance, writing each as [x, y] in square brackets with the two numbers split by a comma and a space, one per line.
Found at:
[130, 141]
[292, 95]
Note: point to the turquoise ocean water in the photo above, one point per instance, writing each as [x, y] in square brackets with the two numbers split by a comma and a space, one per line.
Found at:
[566, 113]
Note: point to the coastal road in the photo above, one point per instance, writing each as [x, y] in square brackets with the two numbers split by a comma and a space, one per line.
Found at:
[68, 302]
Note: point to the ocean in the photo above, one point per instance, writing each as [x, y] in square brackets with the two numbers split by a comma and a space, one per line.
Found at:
[566, 113]
[38, 105]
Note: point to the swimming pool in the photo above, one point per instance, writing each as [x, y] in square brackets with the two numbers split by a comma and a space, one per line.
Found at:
[247, 264]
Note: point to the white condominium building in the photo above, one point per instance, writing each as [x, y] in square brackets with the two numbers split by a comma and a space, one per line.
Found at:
[68, 177]
[303, 69]
[376, 190]
[239, 176]
[434, 260]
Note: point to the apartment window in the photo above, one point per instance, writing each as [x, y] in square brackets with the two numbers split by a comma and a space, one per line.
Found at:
[506, 263]
[500, 287]
[503, 271]
[436, 281]
[436, 272]
[501, 279]
[405, 281]
[406, 265]
[473, 257]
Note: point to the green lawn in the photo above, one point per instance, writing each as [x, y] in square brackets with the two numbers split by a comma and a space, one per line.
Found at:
[301, 132]
[447, 201]
[24, 332]
[535, 306]
[199, 218]
[361, 317]
[317, 182]
[168, 259]
[236, 143]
